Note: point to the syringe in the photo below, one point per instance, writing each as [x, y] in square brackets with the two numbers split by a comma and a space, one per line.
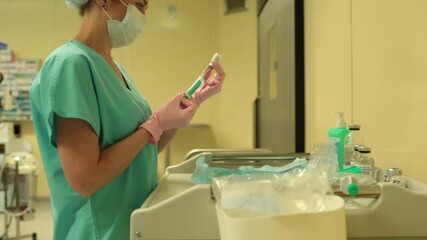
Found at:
[201, 79]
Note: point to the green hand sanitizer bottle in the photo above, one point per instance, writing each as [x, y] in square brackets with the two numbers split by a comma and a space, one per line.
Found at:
[337, 135]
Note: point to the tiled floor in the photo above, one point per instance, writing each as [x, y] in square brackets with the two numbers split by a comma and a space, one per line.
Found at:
[42, 224]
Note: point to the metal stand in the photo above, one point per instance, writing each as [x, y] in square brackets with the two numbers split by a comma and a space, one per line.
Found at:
[18, 219]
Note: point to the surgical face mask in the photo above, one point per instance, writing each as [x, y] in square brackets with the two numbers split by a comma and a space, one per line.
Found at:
[122, 33]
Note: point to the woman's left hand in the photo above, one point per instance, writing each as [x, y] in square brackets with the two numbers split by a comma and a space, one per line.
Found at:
[212, 85]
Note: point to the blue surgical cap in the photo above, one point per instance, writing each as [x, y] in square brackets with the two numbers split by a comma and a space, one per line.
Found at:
[76, 4]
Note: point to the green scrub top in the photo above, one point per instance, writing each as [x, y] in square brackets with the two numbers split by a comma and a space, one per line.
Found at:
[76, 82]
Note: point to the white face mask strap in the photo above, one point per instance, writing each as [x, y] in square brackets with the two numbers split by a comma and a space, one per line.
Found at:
[124, 3]
[103, 9]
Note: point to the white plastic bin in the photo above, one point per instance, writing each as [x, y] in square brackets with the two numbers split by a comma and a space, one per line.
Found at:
[244, 225]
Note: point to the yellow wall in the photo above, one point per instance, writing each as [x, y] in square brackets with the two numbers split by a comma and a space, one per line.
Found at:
[165, 60]
[367, 58]
[229, 115]
[33, 28]
[327, 66]
[363, 57]
[233, 121]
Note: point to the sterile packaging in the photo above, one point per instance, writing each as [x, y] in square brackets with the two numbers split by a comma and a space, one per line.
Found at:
[204, 173]
[294, 205]
[297, 191]
[251, 192]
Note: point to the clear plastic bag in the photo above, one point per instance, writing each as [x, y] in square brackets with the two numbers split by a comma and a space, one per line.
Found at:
[303, 191]
[324, 157]
[252, 192]
[297, 191]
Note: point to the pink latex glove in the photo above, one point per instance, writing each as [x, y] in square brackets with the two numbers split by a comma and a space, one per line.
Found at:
[170, 116]
[212, 85]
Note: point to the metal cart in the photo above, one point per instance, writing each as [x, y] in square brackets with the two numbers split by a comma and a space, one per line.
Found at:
[180, 209]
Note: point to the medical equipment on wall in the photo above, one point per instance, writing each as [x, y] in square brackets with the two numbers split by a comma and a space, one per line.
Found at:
[201, 79]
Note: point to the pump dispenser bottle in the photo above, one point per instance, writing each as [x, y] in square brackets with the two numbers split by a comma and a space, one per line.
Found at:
[337, 135]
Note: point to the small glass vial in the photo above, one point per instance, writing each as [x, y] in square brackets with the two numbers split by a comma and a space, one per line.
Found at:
[394, 175]
[352, 140]
[355, 156]
[365, 161]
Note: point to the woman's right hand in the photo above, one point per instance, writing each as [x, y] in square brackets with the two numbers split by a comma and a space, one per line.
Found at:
[170, 116]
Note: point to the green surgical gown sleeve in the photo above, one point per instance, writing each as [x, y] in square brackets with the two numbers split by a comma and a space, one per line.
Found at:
[72, 93]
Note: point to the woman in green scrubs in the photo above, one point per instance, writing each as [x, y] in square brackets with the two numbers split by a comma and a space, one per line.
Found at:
[98, 138]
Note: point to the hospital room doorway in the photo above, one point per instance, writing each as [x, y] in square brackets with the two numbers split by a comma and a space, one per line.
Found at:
[279, 114]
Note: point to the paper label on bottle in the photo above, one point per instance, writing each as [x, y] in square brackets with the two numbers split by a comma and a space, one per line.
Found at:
[366, 169]
[336, 142]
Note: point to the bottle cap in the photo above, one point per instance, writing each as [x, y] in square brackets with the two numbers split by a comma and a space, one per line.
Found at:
[352, 189]
[356, 147]
[364, 149]
[216, 57]
[394, 172]
[349, 186]
[354, 126]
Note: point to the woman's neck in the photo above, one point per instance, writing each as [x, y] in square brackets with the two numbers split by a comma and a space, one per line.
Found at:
[93, 33]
